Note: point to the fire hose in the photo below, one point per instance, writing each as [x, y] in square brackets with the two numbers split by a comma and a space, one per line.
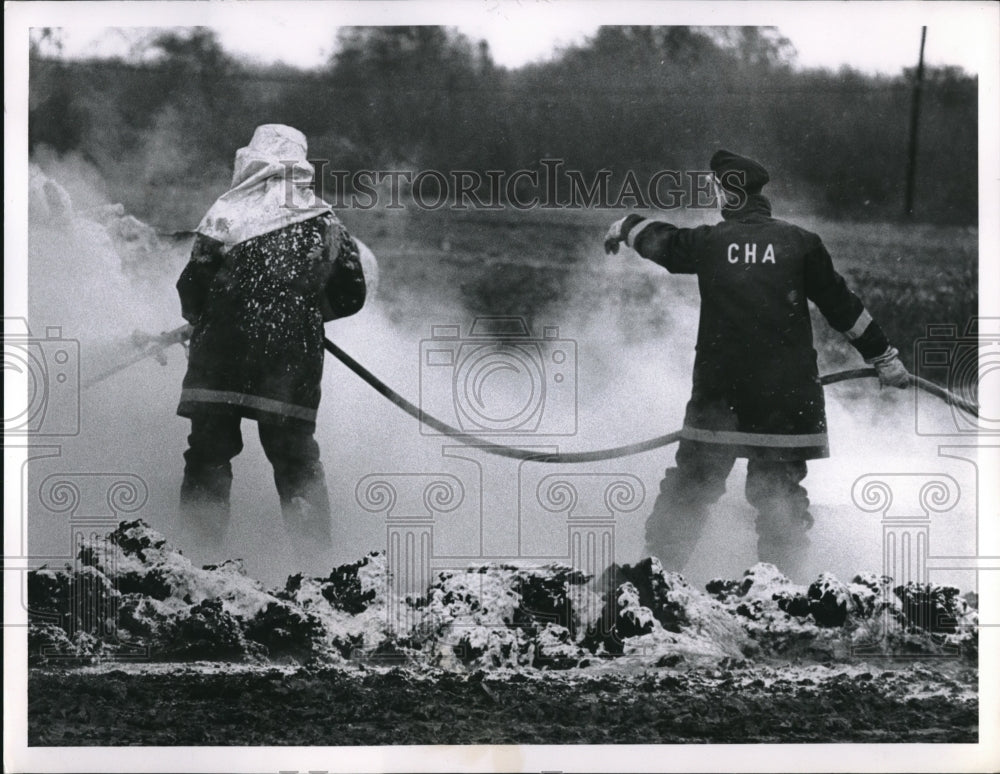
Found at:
[534, 455]
[180, 336]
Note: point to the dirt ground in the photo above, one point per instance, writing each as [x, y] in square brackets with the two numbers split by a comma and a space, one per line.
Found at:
[389, 706]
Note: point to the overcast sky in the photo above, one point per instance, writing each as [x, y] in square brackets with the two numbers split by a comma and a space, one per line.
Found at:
[873, 37]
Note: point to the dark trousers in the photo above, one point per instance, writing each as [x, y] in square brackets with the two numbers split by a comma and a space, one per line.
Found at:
[699, 480]
[298, 475]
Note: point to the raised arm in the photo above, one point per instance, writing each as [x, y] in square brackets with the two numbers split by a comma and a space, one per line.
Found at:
[675, 249]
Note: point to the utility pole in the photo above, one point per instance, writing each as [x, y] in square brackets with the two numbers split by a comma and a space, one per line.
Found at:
[911, 166]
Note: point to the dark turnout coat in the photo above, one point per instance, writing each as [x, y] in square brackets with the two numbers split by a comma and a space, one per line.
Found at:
[756, 384]
[258, 311]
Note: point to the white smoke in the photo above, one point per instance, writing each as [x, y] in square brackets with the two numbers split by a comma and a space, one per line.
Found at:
[101, 277]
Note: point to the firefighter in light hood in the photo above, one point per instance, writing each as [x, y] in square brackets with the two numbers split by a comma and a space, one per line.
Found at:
[756, 390]
[270, 264]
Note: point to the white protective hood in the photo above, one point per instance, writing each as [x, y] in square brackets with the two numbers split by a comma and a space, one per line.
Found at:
[271, 188]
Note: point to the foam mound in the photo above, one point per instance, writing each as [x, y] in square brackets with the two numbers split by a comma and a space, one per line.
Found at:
[138, 597]
[129, 245]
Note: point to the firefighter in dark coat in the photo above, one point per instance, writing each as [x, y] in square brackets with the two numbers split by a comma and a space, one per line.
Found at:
[270, 264]
[756, 390]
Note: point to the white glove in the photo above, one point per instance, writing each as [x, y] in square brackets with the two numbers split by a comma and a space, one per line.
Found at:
[614, 237]
[890, 369]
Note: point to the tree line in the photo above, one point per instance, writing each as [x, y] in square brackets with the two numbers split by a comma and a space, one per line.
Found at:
[642, 99]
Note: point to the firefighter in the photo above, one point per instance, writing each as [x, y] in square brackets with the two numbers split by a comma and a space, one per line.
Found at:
[270, 264]
[756, 390]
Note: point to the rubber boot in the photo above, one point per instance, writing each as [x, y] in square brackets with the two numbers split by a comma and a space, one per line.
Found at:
[301, 482]
[686, 493]
[305, 505]
[204, 501]
[675, 525]
[783, 517]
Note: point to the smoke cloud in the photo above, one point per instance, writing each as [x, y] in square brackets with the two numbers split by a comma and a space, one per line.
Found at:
[100, 277]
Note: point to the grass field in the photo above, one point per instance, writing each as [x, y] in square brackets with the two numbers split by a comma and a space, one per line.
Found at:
[551, 263]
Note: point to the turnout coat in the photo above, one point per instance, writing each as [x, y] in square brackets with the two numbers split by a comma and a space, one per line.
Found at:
[756, 384]
[258, 310]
